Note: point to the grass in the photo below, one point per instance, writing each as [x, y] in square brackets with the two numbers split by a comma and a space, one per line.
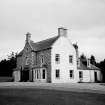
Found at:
[31, 96]
[6, 79]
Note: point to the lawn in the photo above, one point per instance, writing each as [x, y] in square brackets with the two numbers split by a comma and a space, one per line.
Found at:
[31, 96]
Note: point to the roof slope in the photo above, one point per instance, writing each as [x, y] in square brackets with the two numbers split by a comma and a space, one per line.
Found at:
[44, 44]
[84, 67]
[41, 45]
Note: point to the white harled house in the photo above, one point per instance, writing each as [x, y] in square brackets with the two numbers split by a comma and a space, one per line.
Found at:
[54, 60]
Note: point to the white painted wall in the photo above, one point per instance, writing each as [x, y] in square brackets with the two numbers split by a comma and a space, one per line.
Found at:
[63, 47]
[16, 76]
[99, 75]
[88, 75]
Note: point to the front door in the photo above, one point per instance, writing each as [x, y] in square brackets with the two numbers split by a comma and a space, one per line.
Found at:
[95, 76]
[25, 75]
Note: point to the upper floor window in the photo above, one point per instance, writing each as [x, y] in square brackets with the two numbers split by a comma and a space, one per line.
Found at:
[71, 74]
[57, 58]
[42, 59]
[57, 73]
[80, 74]
[70, 59]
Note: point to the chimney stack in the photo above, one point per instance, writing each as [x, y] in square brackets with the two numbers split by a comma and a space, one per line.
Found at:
[62, 32]
[28, 37]
[88, 62]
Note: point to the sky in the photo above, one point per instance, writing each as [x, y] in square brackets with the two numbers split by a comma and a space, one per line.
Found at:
[84, 19]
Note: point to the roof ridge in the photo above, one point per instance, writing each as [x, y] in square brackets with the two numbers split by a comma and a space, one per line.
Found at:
[46, 39]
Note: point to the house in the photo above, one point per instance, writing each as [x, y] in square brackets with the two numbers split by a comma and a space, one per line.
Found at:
[54, 60]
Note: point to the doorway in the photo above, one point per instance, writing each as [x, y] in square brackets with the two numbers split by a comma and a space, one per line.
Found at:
[25, 75]
[95, 76]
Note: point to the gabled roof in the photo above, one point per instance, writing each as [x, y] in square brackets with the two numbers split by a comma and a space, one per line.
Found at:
[41, 45]
[84, 67]
[44, 44]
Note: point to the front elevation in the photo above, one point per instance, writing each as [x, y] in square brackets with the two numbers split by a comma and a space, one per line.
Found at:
[52, 60]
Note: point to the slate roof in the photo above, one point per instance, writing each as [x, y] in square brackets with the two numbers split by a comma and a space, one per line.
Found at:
[21, 53]
[44, 44]
[84, 67]
[41, 45]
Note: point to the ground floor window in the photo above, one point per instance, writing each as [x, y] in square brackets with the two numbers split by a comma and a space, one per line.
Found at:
[57, 73]
[40, 73]
[71, 73]
[80, 74]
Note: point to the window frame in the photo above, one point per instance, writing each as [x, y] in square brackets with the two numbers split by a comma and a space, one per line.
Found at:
[71, 74]
[27, 62]
[81, 74]
[42, 59]
[57, 73]
[57, 58]
[71, 59]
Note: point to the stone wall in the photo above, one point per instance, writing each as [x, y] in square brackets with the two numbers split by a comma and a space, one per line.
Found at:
[47, 61]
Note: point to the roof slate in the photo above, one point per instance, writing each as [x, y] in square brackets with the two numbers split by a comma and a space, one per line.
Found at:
[84, 67]
[41, 45]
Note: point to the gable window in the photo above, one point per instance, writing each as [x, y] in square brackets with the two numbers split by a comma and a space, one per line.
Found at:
[27, 61]
[70, 59]
[57, 58]
[71, 73]
[57, 73]
[80, 74]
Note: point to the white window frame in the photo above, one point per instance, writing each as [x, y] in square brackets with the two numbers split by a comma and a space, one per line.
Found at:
[71, 74]
[57, 58]
[57, 73]
[81, 74]
[70, 58]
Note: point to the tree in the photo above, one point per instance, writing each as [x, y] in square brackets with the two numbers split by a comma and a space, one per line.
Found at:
[7, 65]
[101, 65]
[92, 60]
[83, 59]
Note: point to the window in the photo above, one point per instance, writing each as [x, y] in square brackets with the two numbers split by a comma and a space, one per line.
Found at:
[57, 58]
[57, 73]
[80, 74]
[70, 59]
[42, 59]
[43, 74]
[27, 61]
[71, 74]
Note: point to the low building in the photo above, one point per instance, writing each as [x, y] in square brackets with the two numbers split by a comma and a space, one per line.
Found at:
[54, 60]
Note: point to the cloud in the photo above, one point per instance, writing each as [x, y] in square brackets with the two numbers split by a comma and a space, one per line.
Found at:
[84, 18]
